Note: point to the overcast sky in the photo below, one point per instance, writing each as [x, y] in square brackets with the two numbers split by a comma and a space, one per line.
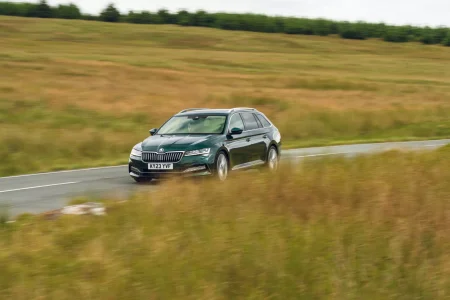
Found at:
[417, 12]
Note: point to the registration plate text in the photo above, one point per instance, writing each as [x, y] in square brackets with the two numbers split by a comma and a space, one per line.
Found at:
[158, 166]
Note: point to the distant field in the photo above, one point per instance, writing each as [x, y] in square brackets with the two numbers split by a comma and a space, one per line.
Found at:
[79, 93]
[365, 228]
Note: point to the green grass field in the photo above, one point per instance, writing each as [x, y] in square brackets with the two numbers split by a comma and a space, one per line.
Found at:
[79, 93]
[373, 227]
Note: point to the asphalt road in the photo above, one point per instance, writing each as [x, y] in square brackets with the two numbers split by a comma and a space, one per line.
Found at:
[37, 193]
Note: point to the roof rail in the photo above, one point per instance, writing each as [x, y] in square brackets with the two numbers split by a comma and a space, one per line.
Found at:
[243, 108]
[190, 109]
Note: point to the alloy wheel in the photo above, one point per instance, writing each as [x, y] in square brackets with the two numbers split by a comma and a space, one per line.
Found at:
[222, 167]
[273, 159]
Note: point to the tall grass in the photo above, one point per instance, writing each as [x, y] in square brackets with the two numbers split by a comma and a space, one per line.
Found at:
[372, 227]
[36, 138]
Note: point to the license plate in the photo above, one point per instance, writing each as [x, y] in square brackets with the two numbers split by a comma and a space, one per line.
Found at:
[158, 166]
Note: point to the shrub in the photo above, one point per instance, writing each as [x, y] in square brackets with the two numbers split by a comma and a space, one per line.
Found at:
[397, 35]
[143, 17]
[446, 41]
[298, 26]
[433, 36]
[202, 18]
[354, 31]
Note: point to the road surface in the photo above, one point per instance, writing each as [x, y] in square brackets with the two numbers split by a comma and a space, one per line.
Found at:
[37, 193]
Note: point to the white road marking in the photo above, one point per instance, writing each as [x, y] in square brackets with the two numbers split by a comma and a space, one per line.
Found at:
[38, 187]
[65, 171]
[320, 154]
[313, 155]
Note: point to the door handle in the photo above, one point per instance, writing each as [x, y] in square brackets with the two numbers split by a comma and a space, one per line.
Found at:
[248, 139]
[265, 136]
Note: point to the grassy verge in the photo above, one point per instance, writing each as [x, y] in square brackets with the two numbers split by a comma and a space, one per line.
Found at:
[373, 227]
[94, 89]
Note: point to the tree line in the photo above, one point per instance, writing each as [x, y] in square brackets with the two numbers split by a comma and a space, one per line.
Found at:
[244, 22]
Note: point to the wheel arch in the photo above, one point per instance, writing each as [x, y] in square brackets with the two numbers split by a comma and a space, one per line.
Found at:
[224, 150]
[274, 144]
[277, 149]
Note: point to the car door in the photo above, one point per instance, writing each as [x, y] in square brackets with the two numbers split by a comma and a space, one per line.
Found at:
[236, 144]
[256, 137]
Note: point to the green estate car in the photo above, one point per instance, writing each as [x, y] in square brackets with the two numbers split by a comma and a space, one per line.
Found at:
[201, 141]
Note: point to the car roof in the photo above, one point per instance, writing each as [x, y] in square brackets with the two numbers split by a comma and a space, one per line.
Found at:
[224, 111]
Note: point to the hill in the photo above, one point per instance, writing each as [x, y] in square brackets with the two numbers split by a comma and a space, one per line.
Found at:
[81, 93]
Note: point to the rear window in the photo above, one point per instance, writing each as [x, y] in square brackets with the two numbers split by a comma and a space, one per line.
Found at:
[250, 121]
[263, 120]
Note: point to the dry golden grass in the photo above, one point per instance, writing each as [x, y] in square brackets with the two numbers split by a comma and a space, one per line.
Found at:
[318, 90]
[372, 227]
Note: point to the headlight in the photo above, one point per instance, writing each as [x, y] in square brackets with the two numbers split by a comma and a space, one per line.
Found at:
[136, 153]
[198, 152]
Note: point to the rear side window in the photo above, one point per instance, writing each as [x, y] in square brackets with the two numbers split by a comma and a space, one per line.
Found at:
[263, 120]
[250, 121]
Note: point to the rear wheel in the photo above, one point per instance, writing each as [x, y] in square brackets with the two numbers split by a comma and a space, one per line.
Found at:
[272, 159]
[222, 166]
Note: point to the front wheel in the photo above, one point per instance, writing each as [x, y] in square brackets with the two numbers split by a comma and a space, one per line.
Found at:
[222, 166]
[272, 159]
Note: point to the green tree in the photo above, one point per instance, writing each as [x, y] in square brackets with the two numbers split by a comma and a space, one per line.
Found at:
[322, 27]
[110, 14]
[70, 11]
[446, 41]
[165, 17]
[397, 34]
[184, 18]
[440, 34]
[143, 17]
[428, 36]
[89, 17]
[298, 26]
[354, 31]
[204, 19]
[43, 10]
[227, 21]
[9, 9]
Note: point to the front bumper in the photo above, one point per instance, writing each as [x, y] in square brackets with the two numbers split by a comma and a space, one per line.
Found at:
[186, 167]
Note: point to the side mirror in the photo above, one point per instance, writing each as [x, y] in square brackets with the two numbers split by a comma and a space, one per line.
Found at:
[236, 130]
[153, 131]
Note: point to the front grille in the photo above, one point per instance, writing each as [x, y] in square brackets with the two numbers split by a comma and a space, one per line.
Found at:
[169, 157]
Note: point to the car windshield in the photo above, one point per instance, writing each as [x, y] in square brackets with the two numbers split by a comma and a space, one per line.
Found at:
[194, 124]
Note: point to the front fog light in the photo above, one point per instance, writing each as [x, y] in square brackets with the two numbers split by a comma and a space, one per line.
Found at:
[193, 169]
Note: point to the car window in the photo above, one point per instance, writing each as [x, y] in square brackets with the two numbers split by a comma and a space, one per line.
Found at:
[263, 120]
[194, 124]
[236, 122]
[249, 121]
[259, 122]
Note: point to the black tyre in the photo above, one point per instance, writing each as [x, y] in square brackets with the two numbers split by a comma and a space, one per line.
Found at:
[221, 166]
[272, 159]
